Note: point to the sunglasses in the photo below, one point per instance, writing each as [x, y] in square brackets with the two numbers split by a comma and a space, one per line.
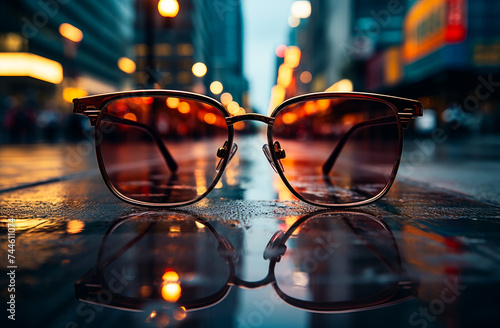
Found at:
[310, 266]
[170, 148]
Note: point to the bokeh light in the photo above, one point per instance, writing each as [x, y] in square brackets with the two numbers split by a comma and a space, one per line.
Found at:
[71, 32]
[226, 98]
[168, 8]
[301, 9]
[216, 87]
[199, 69]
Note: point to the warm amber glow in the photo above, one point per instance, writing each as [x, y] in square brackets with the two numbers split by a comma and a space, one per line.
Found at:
[199, 69]
[285, 75]
[173, 102]
[168, 8]
[218, 185]
[74, 226]
[280, 50]
[27, 64]
[170, 276]
[175, 229]
[239, 126]
[71, 93]
[344, 85]
[200, 225]
[285, 195]
[130, 117]
[305, 77]
[180, 313]
[393, 70]
[147, 100]
[184, 108]
[292, 56]
[233, 107]
[301, 9]
[241, 111]
[70, 32]
[210, 118]
[290, 220]
[171, 292]
[278, 93]
[126, 64]
[323, 104]
[421, 41]
[310, 107]
[145, 291]
[185, 49]
[13, 42]
[289, 118]
[226, 98]
[216, 87]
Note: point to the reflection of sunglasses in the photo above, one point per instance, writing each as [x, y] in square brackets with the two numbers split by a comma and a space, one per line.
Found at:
[325, 262]
[170, 148]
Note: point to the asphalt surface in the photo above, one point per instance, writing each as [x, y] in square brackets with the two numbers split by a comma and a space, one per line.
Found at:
[444, 227]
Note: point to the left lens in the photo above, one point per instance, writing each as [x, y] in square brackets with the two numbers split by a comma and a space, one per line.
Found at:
[160, 149]
[157, 259]
[338, 150]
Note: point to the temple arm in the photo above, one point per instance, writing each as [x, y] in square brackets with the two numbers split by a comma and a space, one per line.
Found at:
[327, 167]
[166, 154]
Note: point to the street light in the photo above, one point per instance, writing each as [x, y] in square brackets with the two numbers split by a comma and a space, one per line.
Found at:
[301, 9]
[70, 32]
[127, 65]
[168, 8]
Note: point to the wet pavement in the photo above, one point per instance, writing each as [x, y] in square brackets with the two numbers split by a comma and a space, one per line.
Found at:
[426, 255]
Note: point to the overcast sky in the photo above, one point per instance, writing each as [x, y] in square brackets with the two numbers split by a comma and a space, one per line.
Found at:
[265, 27]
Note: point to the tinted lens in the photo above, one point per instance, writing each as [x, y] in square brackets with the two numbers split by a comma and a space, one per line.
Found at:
[338, 150]
[161, 149]
[350, 260]
[156, 259]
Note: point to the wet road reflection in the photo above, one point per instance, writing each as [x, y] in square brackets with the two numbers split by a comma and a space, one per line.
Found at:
[334, 270]
[167, 265]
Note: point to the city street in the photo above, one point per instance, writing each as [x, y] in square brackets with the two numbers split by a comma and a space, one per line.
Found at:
[266, 117]
[72, 236]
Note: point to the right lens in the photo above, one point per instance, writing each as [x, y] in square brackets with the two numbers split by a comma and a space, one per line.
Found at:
[337, 261]
[160, 149]
[339, 150]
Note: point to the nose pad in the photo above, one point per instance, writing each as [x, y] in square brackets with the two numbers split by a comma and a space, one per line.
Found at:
[221, 153]
[267, 152]
[227, 250]
[273, 251]
[280, 153]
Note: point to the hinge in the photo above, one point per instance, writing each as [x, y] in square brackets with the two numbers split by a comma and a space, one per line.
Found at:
[92, 113]
[406, 116]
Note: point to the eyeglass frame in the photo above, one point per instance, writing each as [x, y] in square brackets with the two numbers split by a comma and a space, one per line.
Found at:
[92, 107]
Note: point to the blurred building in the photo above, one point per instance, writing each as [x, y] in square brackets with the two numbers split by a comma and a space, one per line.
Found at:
[51, 45]
[448, 50]
[219, 38]
[444, 52]
[52, 51]
[202, 31]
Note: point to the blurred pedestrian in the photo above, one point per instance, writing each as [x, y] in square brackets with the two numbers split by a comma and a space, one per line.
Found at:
[49, 122]
[19, 121]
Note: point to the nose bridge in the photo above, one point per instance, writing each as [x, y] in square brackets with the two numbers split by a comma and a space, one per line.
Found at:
[250, 117]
